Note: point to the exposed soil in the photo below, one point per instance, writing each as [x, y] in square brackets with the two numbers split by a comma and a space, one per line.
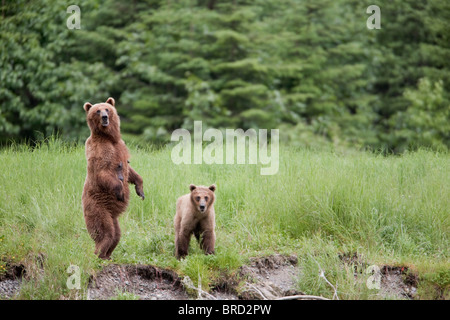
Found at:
[398, 282]
[145, 282]
[268, 277]
[10, 281]
[264, 278]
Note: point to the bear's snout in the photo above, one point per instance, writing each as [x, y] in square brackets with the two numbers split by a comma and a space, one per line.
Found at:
[105, 118]
[202, 207]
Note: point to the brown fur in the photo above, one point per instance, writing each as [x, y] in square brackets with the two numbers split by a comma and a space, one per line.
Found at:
[106, 193]
[190, 219]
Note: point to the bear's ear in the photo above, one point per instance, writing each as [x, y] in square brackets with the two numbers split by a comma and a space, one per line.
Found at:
[87, 106]
[212, 187]
[111, 101]
[192, 187]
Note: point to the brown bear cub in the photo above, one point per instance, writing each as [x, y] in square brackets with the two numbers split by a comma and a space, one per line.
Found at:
[195, 215]
[106, 193]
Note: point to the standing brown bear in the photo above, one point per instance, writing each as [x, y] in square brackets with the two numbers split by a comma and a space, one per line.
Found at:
[106, 193]
[195, 214]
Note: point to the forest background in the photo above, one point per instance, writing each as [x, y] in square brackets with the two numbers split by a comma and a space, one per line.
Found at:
[309, 68]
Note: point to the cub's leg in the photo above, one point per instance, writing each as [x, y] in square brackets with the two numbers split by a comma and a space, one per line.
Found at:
[208, 237]
[182, 240]
[208, 241]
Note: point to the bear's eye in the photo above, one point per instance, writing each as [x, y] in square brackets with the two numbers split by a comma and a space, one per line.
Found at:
[107, 110]
[197, 198]
[98, 111]
[206, 198]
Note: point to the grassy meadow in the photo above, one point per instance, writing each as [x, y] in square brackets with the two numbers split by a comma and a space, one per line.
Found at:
[390, 210]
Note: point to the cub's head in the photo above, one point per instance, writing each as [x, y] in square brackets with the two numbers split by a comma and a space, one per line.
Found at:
[202, 197]
[102, 118]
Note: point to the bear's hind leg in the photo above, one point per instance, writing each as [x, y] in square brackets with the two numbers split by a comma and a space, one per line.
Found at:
[116, 237]
[104, 234]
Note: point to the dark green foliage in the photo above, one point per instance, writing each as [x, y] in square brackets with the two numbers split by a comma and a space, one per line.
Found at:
[310, 68]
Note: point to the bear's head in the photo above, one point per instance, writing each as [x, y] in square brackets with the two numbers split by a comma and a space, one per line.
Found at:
[202, 197]
[102, 118]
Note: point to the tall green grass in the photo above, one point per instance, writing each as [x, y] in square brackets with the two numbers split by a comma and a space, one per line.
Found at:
[390, 210]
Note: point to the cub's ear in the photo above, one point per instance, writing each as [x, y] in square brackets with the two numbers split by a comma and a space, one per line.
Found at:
[111, 101]
[212, 187]
[87, 106]
[192, 187]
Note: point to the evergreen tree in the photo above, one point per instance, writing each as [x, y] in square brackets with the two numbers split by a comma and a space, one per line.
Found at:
[310, 68]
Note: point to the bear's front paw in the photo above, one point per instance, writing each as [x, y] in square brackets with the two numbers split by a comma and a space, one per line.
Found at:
[120, 195]
[140, 192]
